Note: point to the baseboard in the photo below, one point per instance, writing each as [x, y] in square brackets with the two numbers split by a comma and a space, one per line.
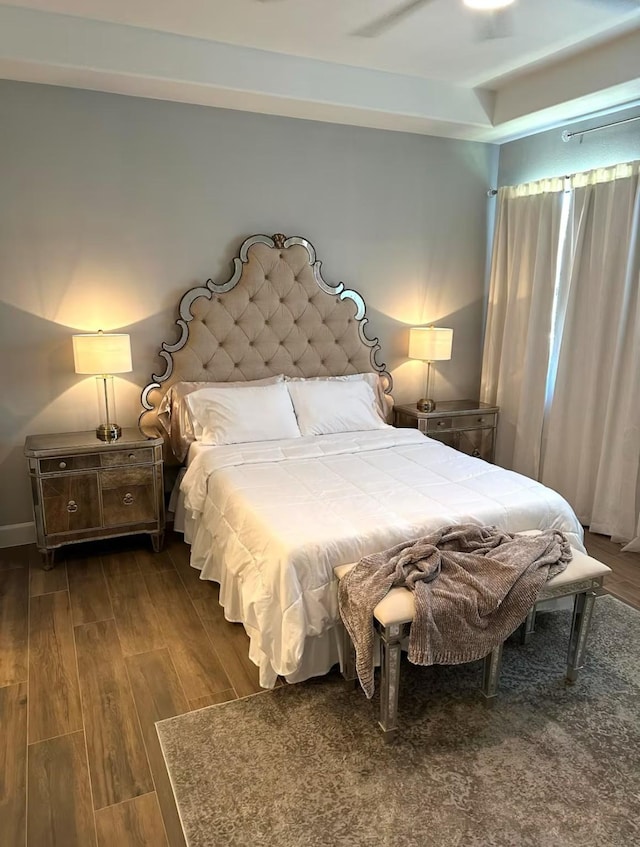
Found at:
[13, 535]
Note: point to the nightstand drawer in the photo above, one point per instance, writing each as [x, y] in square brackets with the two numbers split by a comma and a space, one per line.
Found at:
[81, 462]
[459, 422]
[435, 424]
[70, 503]
[128, 496]
[122, 458]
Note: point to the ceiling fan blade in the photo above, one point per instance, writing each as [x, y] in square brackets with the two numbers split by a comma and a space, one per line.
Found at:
[384, 22]
[621, 5]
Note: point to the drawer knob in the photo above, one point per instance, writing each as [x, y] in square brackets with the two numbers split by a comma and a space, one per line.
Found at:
[480, 420]
[132, 456]
[72, 506]
[127, 499]
[442, 423]
[62, 465]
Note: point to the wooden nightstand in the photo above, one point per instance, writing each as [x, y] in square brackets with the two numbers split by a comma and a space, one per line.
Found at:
[466, 425]
[85, 489]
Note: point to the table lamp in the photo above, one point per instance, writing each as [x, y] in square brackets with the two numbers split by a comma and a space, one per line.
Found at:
[103, 354]
[430, 344]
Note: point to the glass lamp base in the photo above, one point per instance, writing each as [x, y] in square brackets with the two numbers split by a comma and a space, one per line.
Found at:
[108, 432]
[426, 405]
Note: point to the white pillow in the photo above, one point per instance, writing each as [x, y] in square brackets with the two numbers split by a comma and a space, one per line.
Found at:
[384, 403]
[236, 415]
[324, 407]
[175, 415]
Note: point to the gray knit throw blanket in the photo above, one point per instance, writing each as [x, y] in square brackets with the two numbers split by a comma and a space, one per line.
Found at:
[473, 586]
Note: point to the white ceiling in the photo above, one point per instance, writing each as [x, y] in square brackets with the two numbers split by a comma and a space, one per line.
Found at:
[428, 73]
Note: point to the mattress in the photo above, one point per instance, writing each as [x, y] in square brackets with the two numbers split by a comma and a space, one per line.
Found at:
[269, 521]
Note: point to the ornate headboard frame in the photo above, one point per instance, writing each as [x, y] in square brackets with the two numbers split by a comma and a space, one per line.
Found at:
[276, 314]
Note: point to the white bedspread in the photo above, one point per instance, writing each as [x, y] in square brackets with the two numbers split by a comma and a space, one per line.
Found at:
[273, 519]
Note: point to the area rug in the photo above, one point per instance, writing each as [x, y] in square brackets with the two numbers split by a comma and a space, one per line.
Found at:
[548, 766]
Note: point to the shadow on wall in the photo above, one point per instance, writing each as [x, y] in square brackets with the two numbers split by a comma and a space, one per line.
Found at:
[42, 392]
[456, 378]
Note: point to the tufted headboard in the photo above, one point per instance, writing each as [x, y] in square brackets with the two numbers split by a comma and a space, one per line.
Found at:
[276, 315]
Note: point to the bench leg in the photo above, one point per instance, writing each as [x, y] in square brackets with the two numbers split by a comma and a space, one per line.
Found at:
[390, 650]
[580, 625]
[491, 674]
[348, 658]
[528, 627]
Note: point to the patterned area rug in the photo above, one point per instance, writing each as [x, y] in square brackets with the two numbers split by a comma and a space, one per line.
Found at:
[548, 766]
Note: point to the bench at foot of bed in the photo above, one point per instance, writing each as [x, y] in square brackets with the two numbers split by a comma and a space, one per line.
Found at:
[393, 616]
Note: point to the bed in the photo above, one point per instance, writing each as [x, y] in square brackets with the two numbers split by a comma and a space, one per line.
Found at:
[268, 518]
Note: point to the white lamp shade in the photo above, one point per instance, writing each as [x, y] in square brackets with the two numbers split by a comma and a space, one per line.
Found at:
[102, 353]
[430, 343]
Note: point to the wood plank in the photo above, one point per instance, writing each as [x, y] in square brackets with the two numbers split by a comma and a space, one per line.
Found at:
[14, 557]
[158, 695]
[117, 761]
[231, 643]
[197, 589]
[212, 699]
[625, 567]
[138, 626]
[623, 589]
[60, 811]
[150, 562]
[14, 611]
[195, 660]
[45, 582]
[119, 563]
[89, 596]
[134, 823]
[54, 702]
[13, 763]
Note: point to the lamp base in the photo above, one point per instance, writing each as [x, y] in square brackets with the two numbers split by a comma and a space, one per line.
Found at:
[108, 432]
[426, 405]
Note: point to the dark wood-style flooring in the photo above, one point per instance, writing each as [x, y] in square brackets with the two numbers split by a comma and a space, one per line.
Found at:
[94, 652]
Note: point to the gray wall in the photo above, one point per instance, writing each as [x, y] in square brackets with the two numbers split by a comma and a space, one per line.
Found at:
[546, 154]
[111, 207]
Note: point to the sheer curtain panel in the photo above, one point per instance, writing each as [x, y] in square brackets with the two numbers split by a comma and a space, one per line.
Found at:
[520, 314]
[592, 430]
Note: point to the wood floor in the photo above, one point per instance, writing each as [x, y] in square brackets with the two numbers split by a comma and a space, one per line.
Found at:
[94, 652]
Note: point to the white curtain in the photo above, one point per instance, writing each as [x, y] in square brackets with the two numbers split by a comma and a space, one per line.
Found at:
[592, 428]
[519, 318]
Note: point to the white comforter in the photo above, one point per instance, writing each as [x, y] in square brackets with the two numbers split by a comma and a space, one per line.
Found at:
[273, 519]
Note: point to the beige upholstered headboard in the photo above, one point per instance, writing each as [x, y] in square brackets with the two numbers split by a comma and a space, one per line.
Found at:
[276, 315]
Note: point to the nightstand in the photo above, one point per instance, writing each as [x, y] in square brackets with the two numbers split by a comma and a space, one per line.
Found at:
[85, 489]
[466, 425]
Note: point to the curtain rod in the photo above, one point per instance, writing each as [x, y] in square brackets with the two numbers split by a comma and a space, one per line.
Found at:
[567, 136]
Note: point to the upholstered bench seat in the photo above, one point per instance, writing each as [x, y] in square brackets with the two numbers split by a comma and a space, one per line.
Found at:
[394, 613]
